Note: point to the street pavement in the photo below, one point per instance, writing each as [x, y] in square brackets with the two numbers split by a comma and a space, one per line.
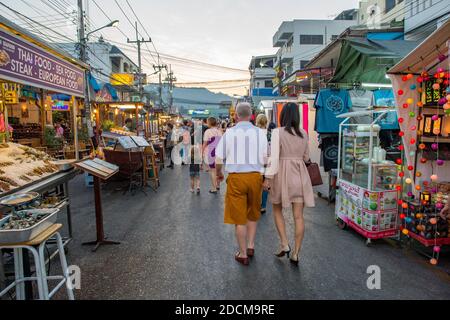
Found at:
[174, 245]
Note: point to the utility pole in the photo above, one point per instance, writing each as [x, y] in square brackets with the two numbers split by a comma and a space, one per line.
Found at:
[158, 69]
[83, 57]
[138, 42]
[170, 79]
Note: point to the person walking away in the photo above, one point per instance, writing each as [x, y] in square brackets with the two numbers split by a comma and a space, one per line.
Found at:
[210, 140]
[194, 168]
[204, 125]
[287, 178]
[170, 141]
[243, 150]
[186, 134]
[261, 123]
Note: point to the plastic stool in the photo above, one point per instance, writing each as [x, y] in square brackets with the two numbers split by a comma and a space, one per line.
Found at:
[37, 246]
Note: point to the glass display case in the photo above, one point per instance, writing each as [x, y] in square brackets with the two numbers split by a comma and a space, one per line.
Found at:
[366, 197]
[363, 162]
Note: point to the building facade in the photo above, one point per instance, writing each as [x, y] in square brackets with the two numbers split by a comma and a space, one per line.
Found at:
[377, 13]
[262, 73]
[423, 17]
[300, 40]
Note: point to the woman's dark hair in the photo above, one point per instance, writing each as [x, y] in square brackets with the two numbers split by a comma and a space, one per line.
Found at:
[271, 126]
[170, 125]
[290, 119]
[128, 120]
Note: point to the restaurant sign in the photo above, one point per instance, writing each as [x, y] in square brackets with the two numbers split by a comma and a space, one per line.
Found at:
[26, 63]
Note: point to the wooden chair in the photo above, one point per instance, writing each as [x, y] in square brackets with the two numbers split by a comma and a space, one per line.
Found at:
[151, 166]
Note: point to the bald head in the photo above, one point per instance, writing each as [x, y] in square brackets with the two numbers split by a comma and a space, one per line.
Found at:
[243, 111]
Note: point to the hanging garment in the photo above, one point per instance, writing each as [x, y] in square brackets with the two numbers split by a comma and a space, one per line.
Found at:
[384, 98]
[329, 104]
[329, 144]
[361, 101]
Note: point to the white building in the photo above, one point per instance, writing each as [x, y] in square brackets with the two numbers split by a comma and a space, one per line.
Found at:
[419, 17]
[300, 40]
[104, 58]
[423, 17]
[261, 75]
[375, 13]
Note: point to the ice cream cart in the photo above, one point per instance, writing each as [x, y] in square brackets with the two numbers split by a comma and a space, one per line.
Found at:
[366, 199]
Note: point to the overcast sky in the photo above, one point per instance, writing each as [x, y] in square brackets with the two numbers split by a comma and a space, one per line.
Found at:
[223, 32]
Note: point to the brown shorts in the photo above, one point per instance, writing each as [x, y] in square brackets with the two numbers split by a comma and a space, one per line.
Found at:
[243, 198]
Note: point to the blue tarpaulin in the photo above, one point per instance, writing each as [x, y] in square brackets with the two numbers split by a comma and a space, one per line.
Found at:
[112, 91]
[93, 83]
[385, 36]
[60, 96]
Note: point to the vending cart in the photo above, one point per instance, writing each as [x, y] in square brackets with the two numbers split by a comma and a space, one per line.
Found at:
[366, 199]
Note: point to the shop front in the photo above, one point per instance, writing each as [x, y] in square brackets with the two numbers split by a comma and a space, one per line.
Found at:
[40, 87]
[42, 92]
[422, 92]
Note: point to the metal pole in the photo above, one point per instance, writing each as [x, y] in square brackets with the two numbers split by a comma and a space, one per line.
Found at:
[83, 57]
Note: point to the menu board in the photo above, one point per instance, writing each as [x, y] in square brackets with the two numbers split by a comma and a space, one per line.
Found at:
[126, 142]
[98, 168]
[140, 141]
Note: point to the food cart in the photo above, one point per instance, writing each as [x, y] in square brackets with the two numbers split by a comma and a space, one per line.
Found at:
[366, 197]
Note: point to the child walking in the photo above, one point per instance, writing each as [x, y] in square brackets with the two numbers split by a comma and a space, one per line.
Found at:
[194, 168]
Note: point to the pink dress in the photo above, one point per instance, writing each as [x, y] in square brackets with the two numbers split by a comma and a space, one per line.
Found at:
[212, 137]
[289, 178]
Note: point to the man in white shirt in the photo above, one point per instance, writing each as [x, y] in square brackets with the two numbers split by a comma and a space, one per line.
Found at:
[243, 149]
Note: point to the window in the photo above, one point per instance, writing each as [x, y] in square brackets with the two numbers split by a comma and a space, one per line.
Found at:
[390, 4]
[268, 84]
[311, 39]
[303, 63]
[334, 37]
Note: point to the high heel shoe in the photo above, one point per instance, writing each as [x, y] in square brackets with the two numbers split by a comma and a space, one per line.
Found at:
[294, 260]
[283, 252]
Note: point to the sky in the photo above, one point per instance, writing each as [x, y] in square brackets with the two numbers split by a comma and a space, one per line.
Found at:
[220, 32]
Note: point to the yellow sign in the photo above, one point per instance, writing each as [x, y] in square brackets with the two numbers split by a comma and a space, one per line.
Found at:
[11, 97]
[122, 79]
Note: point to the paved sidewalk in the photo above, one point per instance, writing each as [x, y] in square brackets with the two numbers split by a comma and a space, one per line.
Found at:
[175, 246]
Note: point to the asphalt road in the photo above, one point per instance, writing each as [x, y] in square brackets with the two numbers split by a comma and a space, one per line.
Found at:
[174, 245]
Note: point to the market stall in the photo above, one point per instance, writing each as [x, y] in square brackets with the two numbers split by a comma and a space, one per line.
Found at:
[367, 196]
[40, 86]
[422, 92]
[37, 78]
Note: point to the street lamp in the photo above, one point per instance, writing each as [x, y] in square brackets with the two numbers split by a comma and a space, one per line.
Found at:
[114, 23]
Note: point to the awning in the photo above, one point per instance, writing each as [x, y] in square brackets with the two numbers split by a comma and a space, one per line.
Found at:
[60, 96]
[363, 60]
[93, 83]
[112, 91]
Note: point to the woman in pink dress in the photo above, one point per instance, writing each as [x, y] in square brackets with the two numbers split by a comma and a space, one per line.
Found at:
[287, 178]
[210, 140]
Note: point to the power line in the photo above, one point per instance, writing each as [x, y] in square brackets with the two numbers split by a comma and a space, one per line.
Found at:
[145, 30]
[26, 17]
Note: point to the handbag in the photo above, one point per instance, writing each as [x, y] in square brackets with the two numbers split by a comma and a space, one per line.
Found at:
[314, 173]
